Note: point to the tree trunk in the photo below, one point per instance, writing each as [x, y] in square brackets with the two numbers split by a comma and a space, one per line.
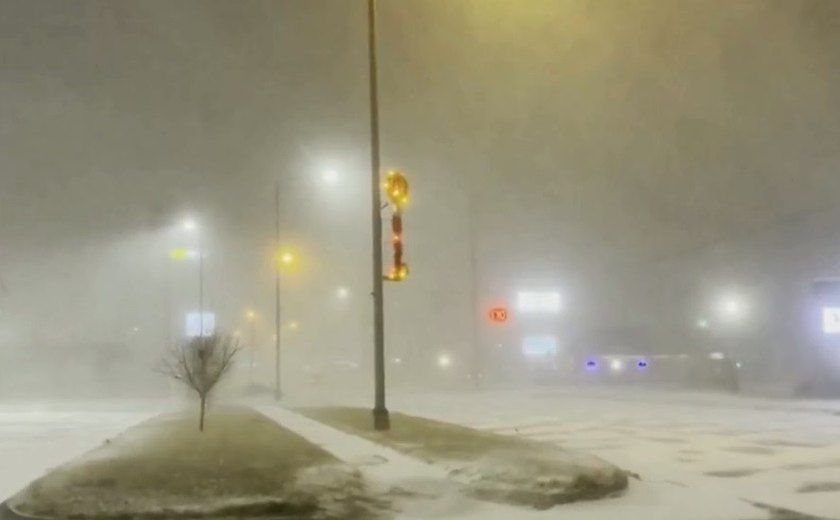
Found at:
[201, 416]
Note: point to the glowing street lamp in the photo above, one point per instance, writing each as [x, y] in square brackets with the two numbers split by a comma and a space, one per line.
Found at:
[330, 177]
[731, 308]
[444, 361]
[189, 225]
[287, 258]
[342, 293]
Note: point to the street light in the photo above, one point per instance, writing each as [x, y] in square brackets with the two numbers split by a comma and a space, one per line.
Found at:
[189, 224]
[252, 343]
[444, 361]
[381, 418]
[330, 177]
[342, 293]
[731, 307]
[287, 258]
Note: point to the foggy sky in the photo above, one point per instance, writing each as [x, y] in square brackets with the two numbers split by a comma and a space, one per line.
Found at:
[579, 140]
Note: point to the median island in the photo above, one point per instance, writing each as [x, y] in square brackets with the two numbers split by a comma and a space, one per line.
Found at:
[242, 465]
[491, 467]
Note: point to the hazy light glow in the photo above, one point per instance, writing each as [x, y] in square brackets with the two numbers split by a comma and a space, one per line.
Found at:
[330, 177]
[287, 258]
[294, 325]
[731, 307]
[702, 324]
[251, 314]
[179, 254]
[342, 293]
[189, 224]
[538, 302]
[444, 361]
[717, 355]
[616, 365]
[831, 320]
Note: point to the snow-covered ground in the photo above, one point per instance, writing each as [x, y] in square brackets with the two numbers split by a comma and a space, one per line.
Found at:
[695, 452]
[35, 437]
[700, 456]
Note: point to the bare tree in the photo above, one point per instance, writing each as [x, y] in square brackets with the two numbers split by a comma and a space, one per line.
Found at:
[200, 363]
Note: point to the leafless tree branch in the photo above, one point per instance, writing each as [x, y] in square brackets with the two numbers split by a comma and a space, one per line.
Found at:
[200, 363]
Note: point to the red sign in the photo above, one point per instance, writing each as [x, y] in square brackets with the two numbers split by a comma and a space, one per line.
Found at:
[499, 314]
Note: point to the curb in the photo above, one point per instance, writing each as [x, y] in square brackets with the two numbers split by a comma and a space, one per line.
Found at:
[7, 512]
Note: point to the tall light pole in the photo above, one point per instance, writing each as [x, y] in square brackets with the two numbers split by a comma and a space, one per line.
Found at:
[200, 286]
[252, 344]
[381, 419]
[278, 393]
[477, 352]
[190, 225]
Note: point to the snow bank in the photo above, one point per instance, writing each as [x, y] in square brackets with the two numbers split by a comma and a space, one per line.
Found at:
[540, 478]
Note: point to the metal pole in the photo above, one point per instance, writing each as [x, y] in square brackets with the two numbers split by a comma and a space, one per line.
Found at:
[381, 419]
[200, 286]
[169, 303]
[477, 352]
[277, 324]
[252, 343]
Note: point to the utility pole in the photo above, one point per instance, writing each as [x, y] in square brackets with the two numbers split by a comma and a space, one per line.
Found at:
[278, 393]
[381, 419]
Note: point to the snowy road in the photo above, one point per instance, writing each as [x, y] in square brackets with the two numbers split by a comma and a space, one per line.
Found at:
[715, 451]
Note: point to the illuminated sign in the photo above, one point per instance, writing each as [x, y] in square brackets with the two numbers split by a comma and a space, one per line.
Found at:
[498, 315]
[180, 254]
[195, 322]
[831, 320]
[538, 302]
[539, 346]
